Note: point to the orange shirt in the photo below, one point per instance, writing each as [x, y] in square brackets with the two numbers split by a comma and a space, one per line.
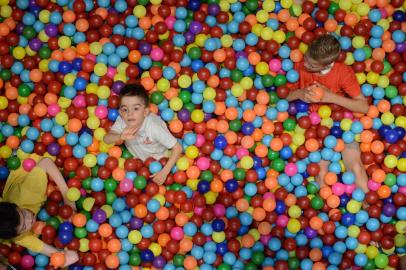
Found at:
[340, 79]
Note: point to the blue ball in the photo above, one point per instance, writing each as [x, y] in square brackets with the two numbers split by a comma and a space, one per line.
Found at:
[155, 167]
[4, 173]
[147, 255]
[203, 186]
[231, 185]
[218, 225]
[220, 142]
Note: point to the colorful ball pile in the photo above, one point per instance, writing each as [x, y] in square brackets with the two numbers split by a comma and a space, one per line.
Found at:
[243, 195]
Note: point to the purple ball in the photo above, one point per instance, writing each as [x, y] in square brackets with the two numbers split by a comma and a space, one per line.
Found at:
[32, 3]
[51, 30]
[310, 233]
[292, 109]
[159, 262]
[241, 55]
[208, 116]
[195, 27]
[117, 86]
[189, 36]
[19, 28]
[35, 44]
[99, 216]
[136, 223]
[54, 149]
[401, 47]
[144, 47]
[184, 115]
[213, 9]
[389, 210]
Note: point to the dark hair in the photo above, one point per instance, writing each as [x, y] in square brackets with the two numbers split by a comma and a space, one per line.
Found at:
[10, 219]
[134, 90]
[325, 49]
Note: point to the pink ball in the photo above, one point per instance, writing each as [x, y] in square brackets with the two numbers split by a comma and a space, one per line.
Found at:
[157, 54]
[91, 57]
[111, 72]
[314, 118]
[203, 163]
[27, 261]
[265, 239]
[82, 192]
[177, 233]
[348, 115]
[372, 185]
[338, 189]
[53, 109]
[199, 210]
[219, 210]
[126, 185]
[402, 190]
[79, 101]
[290, 169]
[101, 111]
[269, 195]
[170, 22]
[29, 164]
[282, 221]
[241, 152]
[200, 140]
[349, 189]
[275, 65]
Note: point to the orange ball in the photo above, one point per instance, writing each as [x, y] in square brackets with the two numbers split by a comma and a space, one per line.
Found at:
[105, 230]
[13, 142]
[79, 220]
[57, 259]
[114, 245]
[379, 175]
[318, 93]
[140, 211]
[190, 263]
[112, 261]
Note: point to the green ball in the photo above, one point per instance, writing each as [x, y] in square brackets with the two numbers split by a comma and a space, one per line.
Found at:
[280, 80]
[5, 74]
[272, 155]
[110, 197]
[190, 14]
[29, 32]
[189, 106]
[1, 137]
[213, 2]
[24, 90]
[235, 125]
[317, 203]
[293, 263]
[17, 132]
[258, 258]
[95, 171]
[368, 52]
[386, 67]
[86, 213]
[80, 232]
[140, 182]
[273, 97]
[206, 176]
[278, 164]
[224, 266]
[126, 154]
[195, 53]
[246, 10]
[13, 163]
[79, 203]
[370, 265]
[252, 5]
[44, 52]
[157, 64]
[176, 187]
[178, 260]
[157, 97]
[236, 75]
[390, 179]
[333, 8]
[239, 174]
[289, 124]
[143, 2]
[267, 80]
[391, 91]
[54, 222]
[312, 188]
[381, 260]
[250, 266]
[110, 185]
[86, 184]
[135, 259]
[185, 96]
[248, 198]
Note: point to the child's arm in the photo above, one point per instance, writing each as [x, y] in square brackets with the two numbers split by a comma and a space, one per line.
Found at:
[50, 168]
[70, 256]
[160, 176]
[113, 137]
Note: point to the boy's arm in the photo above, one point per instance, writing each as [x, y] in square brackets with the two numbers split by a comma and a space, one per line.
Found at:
[160, 176]
[50, 168]
[112, 137]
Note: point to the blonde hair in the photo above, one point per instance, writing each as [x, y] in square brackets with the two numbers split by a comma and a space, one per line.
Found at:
[324, 49]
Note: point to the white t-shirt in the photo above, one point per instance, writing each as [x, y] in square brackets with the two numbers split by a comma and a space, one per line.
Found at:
[153, 139]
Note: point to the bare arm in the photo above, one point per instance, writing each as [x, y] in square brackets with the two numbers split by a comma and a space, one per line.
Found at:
[160, 176]
[112, 138]
[357, 104]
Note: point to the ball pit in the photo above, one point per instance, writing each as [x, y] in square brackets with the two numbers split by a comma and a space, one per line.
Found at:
[243, 195]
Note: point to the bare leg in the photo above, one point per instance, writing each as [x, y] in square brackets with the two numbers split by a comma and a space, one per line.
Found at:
[323, 171]
[352, 162]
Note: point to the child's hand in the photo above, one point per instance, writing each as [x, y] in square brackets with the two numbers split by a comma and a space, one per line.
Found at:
[129, 133]
[70, 257]
[71, 204]
[326, 97]
[160, 177]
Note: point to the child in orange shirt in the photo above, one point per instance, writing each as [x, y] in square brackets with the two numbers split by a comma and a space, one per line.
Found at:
[340, 86]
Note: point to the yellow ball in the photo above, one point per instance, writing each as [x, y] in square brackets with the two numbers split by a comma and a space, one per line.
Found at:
[346, 124]
[19, 53]
[163, 85]
[262, 16]
[3, 102]
[324, 111]
[266, 33]
[294, 211]
[100, 69]
[354, 206]
[390, 161]
[139, 11]
[372, 77]
[64, 42]
[371, 252]
[184, 81]
[5, 152]
[345, 4]
[247, 162]
[134, 237]
[92, 88]
[192, 152]
[6, 11]
[262, 68]
[69, 79]
[401, 165]
[88, 204]
[44, 16]
[64, 102]
[197, 116]
[200, 40]
[83, 245]
[226, 41]
[401, 121]
[95, 48]
[268, 5]
[298, 139]
[209, 93]
[61, 118]
[246, 83]
[363, 9]
[99, 134]
[293, 225]
[182, 164]
[349, 59]
[257, 29]
[90, 160]
[286, 3]
[387, 118]
[361, 77]
[218, 237]
[353, 231]
[155, 248]
[210, 197]
[176, 104]
[279, 36]
[103, 92]
[401, 226]
[73, 194]
[93, 122]
[237, 90]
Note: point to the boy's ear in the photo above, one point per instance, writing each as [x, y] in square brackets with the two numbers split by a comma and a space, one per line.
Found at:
[146, 111]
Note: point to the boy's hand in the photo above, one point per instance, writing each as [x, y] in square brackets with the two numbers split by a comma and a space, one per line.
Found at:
[160, 177]
[327, 97]
[71, 204]
[129, 133]
[70, 257]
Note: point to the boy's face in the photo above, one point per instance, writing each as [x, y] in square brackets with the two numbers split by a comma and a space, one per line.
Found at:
[133, 111]
[27, 220]
[313, 65]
